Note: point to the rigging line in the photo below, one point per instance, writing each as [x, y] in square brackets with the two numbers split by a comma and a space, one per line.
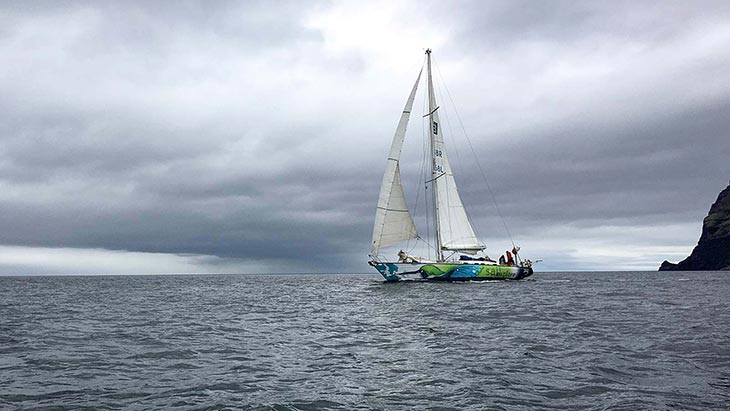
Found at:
[415, 206]
[425, 144]
[431, 216]
[451, 132]
[436, 178]
[421, 174]
[408, 242]
[476, 158]
[432, 111]
[429, 245]
[446, 180]
[418, 185]
[456, 149]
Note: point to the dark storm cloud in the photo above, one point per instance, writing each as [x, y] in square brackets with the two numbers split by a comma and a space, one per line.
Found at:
[240, 131]
[636, 170]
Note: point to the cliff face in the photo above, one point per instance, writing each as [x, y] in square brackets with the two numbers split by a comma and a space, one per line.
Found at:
[713, 250]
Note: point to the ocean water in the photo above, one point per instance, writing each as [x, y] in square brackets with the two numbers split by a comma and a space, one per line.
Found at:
[309, 342]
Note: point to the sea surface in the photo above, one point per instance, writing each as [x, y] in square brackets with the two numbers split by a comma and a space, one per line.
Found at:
[604, 340]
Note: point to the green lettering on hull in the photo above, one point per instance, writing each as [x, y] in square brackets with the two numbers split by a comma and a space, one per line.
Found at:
[468, 271]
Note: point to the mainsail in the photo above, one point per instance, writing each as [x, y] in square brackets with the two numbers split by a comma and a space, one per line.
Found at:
[453, 230]
[453, 234]
[393, 220]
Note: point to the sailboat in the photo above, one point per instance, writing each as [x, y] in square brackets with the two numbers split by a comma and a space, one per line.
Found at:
[456, 243]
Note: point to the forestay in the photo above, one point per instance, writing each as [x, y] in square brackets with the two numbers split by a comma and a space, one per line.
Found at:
[393, 220]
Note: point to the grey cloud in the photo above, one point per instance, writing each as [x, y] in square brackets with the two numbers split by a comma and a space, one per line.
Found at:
[232, 131]
[502, 23]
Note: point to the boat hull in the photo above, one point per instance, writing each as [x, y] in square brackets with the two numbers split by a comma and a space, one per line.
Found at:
[450, 271]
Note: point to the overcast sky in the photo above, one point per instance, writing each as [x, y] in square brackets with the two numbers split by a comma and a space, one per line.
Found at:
[181, 137]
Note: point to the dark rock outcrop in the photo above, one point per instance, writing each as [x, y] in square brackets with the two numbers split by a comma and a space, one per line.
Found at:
[713, 250]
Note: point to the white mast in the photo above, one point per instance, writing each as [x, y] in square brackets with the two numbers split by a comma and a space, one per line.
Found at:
[453, 230]
[433, 125]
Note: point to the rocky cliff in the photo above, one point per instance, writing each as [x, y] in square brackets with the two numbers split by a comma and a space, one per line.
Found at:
[713, 250]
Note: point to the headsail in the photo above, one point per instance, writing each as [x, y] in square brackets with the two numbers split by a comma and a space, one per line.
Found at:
[393, 220]
[453, 230]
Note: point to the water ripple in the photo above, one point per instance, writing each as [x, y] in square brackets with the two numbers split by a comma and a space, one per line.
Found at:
[619, 341]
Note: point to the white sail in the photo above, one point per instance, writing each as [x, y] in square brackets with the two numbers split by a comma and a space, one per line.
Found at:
[453, 230]
[393, 220]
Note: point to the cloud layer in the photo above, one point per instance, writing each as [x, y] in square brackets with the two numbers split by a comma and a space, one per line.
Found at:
[253, 136]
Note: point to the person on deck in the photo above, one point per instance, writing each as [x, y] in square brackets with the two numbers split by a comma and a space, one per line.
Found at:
[502, 260]
[510, 260]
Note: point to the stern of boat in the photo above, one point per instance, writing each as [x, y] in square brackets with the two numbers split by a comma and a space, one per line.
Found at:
[524, 272]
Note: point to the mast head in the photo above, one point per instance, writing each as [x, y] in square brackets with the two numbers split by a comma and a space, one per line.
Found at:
[428, 51]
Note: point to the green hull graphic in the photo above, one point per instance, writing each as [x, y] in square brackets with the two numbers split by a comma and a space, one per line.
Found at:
[468, 271]
[451, 271]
